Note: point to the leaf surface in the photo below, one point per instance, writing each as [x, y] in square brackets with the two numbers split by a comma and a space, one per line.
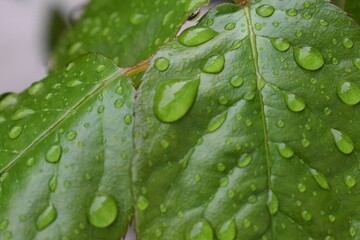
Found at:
[128, 31]
[65, 155]
[268, 146]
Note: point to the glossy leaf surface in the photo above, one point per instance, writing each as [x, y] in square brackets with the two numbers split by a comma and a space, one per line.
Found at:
[268, 147]
[65, 154]
[128, 31]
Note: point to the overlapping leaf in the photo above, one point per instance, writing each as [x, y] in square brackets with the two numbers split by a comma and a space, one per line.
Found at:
[65, 154]
[128, 31]
[247, 127]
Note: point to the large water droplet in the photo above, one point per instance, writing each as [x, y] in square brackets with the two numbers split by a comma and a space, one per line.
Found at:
[280, 44]
[21, 113]
[308, 58]
[9, 100]
[200, 231]
[226, 231]
[265, 10]
[350, 181]
[174, 99]
[347, 42]
[194, 36]
[343, 141]
[348, 92]
[272, 203]
[217, 122]
[214, 64]
[102, 211]
[53, 155]
[46, 217]
[15, 131]
[284, 150]
[320, 179]
[36, 88]
[294, 102]
[161, 64]
[244, 160]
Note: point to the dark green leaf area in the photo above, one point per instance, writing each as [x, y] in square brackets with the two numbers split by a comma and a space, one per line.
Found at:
[353, 8]
[128, 31]
[66, 145]
[268, 147]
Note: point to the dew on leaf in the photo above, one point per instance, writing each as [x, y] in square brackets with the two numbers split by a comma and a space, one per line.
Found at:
[348, 92]
[4, 224]
[73, 83]
[214, 64]
[323, 22]
[217, 122]
[195, 36]
[161, 64]
[174, 99]
[272, 203]
[15, 131]
[236, 81]
[306, 215]
[53, 183]
[100, 68]
[284, 150]
[356, 63]
[128, 119]
[230, 26]
[53, 155]
[36, 88]
[46, 217]
[236, 45]
[244, 160]
[71, 135]
[199, 231]
[21, 113]
[350, 181]
[265, 10]
[343, 142]
[347, 42]
[294, 102]
[280, 44]
[9, 100]
[226, 231]
[142, 203]
[320, 179]
[301, 187]
[308, 58]
[102, 210]
[292, 12]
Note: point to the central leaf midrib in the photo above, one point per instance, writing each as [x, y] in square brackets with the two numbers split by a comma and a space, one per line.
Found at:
[262, 105]
[108, 80]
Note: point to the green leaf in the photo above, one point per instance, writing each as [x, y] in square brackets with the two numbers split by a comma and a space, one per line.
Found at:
[268, 148]
[57, 26]
[352, 7]
[65, 155]
[128, 31]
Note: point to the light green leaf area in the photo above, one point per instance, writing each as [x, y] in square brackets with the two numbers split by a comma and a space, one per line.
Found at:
[65, 155]
[128, 31]
[268, 147]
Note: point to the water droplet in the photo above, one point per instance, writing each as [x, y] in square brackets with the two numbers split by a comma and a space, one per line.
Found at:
[230, 26]
[320, 179]
[9, 100]
[236, 45]
[4, 224]
[332, 218]
[280, 124]
[214, 64]
[343, 141]
[294, 102]
[226, 231]
[244, 160]
[258, 26]
[246, 223]
[200, 231]
[53, 155]
[53, 184]
[284, 150]
[217, 122]
[30, 162]
[161, 64]
[73, 83]
[306, 15]
[71, 135]
[323, 22]
[308, 58]
[174, 99]
[21, 113]
[163, 208]
[223, 100]
[15, 131]
[47, 216]
[142, 203]
[101, 109]
[347, 42]
[236, 81]
[137, 18]
[350, 181]
[356, 63]
[348, 92]
[292, 12]
[102, 211]
[265, 10]
[100, 68]
[301, 187]
[168, 17]
[327, 111]
[305, 142]
[353, 231]
[272, 203]
[306, 215]
[280, 44]
[195, 36]
[36, 88]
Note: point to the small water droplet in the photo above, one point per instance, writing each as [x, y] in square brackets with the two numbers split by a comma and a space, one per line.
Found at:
[306, 215]
[226, 231]
[244, 160]
[36, 88]
[214, 64]
[236, 45]
[119, 103]
[320, 179]
[15, 131]
[294, 102]
[200, 230]
[71, 135]
[305, 142]
[4, 224]
[265, 10]
[347, 42]
[30, 162]
[174, 99]
[323, 22]
[280, 44]
[306, 15]
[100, 68]
[236, 81]
[352, 231]
[74, 83]
[102, 211]
[142, 203]
[21, 113]
[128, 119]
[350, 181]
[195, 36]
[230, 26]
[8, 101]
[217, 122]
[137, 18]
[53, 155]
[301, 187]
[46, 217]
[258, 26]
[332, 218]
[343, 141]
[101, 109]
[356, 63]
[246, 223]
[308, 58]
[292, 12]
[161, 64]
[53, 183]
[163, 208]
[280, 124]
[348, 92]
[284, 150]
[272, 203]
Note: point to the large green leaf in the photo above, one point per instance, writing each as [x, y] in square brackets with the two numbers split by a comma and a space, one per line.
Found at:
[247, 127]
[128, 31]
[352, 7]
[65, 155]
